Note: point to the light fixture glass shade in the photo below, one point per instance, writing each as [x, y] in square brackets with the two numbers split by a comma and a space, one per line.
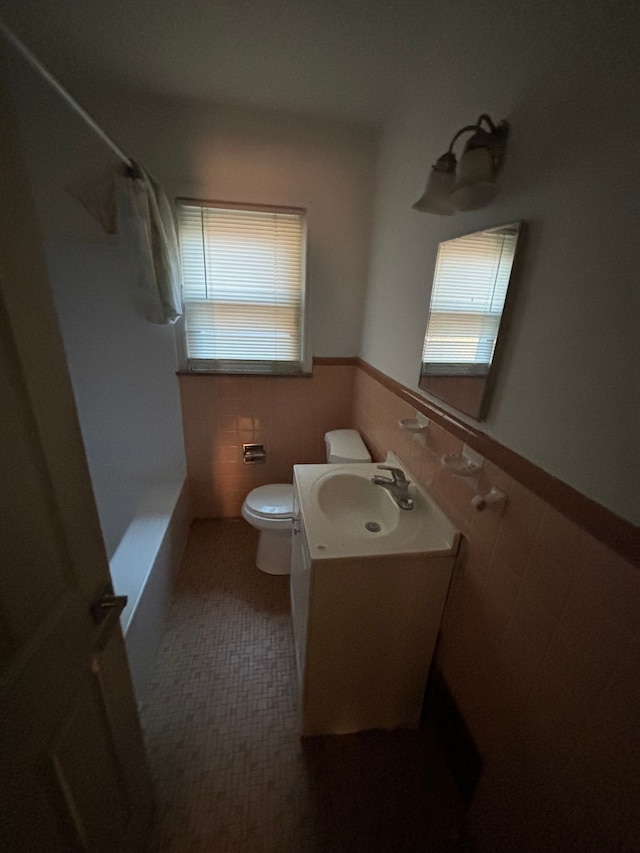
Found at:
[471, 185]
[475, 186]
[436, 197]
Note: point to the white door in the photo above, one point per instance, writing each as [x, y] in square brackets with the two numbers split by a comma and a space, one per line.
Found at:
[73, 773]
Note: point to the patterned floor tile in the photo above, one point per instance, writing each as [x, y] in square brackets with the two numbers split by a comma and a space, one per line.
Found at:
[220, 719]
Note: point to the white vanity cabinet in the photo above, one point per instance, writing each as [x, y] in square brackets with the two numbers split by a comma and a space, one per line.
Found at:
[364, 628]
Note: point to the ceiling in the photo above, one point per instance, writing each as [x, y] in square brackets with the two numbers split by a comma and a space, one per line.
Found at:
[343, 58]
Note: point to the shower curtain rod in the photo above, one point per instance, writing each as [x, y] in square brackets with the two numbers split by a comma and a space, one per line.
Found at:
[59, 88]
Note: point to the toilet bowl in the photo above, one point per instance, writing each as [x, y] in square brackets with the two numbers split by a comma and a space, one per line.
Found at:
[270, 508]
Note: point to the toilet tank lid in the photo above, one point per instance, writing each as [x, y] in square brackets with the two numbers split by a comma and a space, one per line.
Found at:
[346, 445]
[272, 501]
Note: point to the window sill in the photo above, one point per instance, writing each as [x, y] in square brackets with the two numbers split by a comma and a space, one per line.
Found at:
[299, 375]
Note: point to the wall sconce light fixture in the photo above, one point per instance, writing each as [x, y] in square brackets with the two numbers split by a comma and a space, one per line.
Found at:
[470, 184]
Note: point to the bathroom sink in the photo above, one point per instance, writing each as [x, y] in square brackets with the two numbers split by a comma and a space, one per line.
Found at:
[351, 502]
[346, 515]
[368, 585]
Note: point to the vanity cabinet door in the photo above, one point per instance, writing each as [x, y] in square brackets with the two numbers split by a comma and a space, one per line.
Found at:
[300, 588]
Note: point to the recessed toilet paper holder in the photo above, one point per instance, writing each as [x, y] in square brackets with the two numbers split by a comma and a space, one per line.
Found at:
[252, 453]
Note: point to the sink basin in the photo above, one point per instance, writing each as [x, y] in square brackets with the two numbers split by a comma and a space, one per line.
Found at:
[351, 502]
[346, 515]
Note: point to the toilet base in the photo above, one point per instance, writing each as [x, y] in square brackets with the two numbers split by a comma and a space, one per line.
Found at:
[274, 552]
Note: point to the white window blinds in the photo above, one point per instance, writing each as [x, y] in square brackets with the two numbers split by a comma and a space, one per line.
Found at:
[469, 291]
[243, 287]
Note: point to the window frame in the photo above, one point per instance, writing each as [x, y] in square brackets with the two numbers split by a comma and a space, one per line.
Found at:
[299, 367]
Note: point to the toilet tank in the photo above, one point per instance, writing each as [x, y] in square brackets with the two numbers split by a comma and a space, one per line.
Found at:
[345, 445]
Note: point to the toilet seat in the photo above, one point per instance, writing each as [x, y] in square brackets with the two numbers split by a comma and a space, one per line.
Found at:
[272, 501]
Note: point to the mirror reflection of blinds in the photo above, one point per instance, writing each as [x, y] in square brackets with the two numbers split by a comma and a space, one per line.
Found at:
[243, 288]
[469, 291]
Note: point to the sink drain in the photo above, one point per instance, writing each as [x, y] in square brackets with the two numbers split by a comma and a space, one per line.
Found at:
[372, 526]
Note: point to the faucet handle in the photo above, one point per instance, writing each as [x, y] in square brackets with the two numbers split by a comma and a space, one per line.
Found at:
[398, 473]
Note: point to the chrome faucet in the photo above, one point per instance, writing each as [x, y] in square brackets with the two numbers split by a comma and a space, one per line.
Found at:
[397, 484]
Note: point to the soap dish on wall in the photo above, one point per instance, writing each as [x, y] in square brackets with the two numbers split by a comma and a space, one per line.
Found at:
[465, 464]
[418, 424]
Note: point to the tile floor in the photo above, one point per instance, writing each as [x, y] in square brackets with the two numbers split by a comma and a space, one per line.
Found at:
[232, 774]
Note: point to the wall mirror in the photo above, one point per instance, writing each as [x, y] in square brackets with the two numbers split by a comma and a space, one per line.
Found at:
[465, 326]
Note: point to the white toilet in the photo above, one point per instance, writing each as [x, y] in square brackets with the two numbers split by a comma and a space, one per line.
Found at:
[270, 508]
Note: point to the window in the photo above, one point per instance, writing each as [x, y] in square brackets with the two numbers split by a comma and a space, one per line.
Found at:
[243, 275]
[469, 290]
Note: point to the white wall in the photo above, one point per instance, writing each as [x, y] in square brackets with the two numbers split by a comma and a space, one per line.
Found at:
[566, 78]
[209, 150]
[122, 368]
[564, 75]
